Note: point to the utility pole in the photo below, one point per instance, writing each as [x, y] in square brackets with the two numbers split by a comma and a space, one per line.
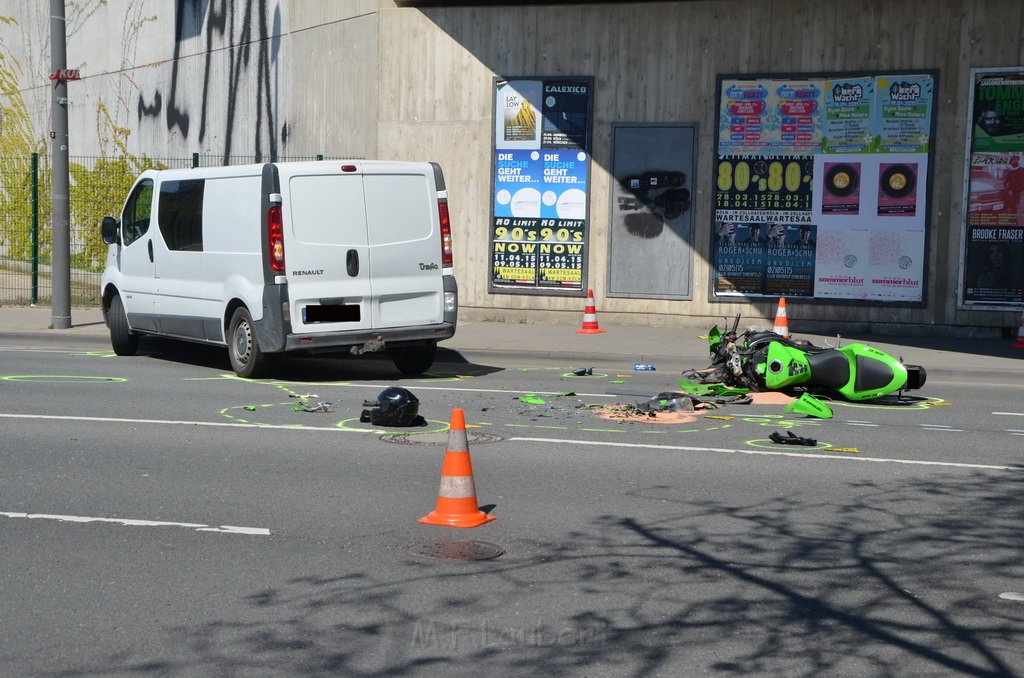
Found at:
[60, 253]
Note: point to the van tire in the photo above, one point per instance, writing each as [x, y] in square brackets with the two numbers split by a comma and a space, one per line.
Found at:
[414, 360]
[122, 339]
[247, 360]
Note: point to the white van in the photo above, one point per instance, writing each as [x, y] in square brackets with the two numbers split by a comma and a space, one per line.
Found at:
[266, 259]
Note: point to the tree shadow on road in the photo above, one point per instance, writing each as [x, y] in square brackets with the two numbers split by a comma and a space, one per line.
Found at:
[902, 581]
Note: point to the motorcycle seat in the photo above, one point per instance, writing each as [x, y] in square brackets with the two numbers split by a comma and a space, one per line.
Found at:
[830, 368]
[872, 374]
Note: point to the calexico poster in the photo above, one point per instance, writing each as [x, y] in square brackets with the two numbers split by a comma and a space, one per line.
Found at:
[821, 186]
[993, 267]
[541, 171]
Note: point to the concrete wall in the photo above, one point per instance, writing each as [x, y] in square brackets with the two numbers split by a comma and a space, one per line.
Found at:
[215, 77]
[366, 78]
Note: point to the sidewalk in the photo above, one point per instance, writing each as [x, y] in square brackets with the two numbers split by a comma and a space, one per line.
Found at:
[670, 349]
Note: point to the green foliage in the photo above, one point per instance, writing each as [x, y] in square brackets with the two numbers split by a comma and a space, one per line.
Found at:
[16, 208]
[97, 192]
[16, 149]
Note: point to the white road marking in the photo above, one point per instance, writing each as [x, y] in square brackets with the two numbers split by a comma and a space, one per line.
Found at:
[1012, 595]
[38, 350]
[939, 427]
[1010, 414]
[860, 423]
[511, 391]
[131, 522]
[175, 422]
[769, 453]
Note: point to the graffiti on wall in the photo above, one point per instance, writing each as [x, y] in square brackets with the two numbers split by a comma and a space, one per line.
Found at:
[248, 36]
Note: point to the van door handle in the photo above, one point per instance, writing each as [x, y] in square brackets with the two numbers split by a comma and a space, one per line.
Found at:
[150, 246]
[352, 263]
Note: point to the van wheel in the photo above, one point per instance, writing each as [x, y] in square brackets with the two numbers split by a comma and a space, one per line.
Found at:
[247, 360]
[122, 339]
[414, 359]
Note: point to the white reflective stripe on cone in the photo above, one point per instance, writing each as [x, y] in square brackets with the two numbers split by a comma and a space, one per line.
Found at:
[457, 487]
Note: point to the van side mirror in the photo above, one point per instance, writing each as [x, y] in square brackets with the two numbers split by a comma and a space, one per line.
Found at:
[110, 231]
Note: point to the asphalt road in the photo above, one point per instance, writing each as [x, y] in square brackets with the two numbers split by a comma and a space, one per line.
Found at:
[160, 516]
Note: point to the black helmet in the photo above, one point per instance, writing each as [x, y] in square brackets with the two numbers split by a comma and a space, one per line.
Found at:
[395, 406]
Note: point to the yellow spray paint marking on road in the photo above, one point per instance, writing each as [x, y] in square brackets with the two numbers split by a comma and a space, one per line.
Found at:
[441, 427]
[775, 420]
[429, 377]
[842, 449]
[911, 404]
[229, 377]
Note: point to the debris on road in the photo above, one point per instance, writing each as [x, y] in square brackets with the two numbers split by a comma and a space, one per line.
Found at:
[319, 407]
[791, 439]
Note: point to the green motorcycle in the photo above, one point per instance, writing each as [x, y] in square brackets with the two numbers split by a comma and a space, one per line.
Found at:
[760, 360]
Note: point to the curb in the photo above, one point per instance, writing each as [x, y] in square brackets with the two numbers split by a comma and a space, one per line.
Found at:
[54, 336]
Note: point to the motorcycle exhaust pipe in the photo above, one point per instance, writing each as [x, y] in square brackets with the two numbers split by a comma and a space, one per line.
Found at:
[916, 376]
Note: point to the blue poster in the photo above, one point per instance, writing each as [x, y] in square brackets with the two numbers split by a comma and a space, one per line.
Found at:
[903, 115]
[540, 184]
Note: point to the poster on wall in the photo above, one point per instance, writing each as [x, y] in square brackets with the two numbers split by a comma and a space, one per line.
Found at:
[821, 186]
[993, 265]
[541, 173]
[650, 253]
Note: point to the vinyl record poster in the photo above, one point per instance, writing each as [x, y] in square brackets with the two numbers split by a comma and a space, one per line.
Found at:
[821, 186]
[541, 172]
[993, 265]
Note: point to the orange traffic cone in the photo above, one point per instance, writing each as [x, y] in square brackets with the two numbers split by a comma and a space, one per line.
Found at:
[590, 317]
[456, 500]
[781, 321]
[1020, 333]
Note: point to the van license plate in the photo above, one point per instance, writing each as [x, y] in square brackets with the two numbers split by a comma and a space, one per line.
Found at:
[333, 313]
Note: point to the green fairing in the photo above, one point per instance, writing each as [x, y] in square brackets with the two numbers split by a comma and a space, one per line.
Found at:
[811, 406]
[786, 366]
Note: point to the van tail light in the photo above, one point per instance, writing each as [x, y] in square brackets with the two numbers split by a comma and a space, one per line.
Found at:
[275, 238]
[446, 233]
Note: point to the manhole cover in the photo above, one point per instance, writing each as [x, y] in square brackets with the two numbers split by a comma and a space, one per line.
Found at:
[456, 550]
[436, 438]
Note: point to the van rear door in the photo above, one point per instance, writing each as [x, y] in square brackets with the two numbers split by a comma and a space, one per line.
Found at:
[405, 245]
[326, 250]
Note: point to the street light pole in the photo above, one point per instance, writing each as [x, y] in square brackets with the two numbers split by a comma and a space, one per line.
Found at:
[60, 253]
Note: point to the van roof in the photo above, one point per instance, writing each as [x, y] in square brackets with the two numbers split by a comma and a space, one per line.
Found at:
[292, 168]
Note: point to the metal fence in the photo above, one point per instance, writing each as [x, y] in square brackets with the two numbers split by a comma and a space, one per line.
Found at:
[98, 187]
